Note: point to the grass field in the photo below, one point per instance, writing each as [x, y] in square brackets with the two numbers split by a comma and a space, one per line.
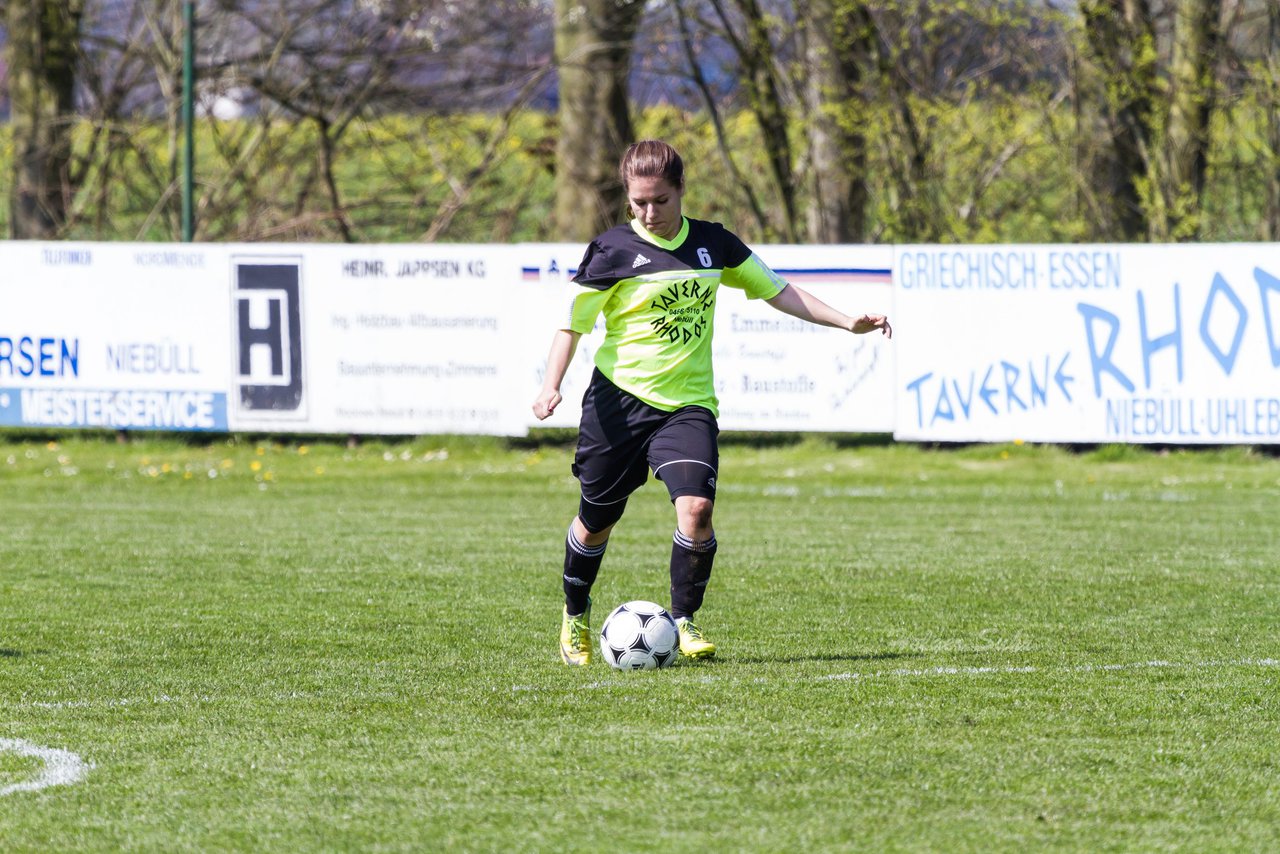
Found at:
[250, 646]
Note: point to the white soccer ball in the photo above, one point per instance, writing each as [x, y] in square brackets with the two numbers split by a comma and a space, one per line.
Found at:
[639, 636]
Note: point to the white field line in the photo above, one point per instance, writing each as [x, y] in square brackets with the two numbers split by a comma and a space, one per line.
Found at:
[110, 703]
[61, 767]
[1079, 668]
[932, 672]
[900, 673]
[158, 700]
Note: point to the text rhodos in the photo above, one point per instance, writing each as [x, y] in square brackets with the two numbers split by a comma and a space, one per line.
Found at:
[1221, 333]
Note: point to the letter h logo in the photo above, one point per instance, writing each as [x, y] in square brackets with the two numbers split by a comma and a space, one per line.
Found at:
[268, 345]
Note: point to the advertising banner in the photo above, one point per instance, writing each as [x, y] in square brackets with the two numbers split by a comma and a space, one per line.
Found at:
[776, 372]
[376, 339]
[1171, 344]
[773, 371]
[545, 270]
[112, 336]
[284, 338]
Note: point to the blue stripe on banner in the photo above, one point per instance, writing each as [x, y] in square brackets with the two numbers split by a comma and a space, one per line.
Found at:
[838, 275]
[839, 271]
[115, 409]
[534, 274]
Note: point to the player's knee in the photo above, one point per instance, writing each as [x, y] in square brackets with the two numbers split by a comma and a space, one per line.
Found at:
[693, 513]
[598, 518]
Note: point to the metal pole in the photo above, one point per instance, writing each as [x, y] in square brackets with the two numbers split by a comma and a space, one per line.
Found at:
[188, 120]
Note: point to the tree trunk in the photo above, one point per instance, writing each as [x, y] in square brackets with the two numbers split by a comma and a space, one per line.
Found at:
[1197, 34]
[1122, 36]
[593, 43]
[836, 39]
[43, 48]
[919, 218]
[1271, 93]
[717, 122]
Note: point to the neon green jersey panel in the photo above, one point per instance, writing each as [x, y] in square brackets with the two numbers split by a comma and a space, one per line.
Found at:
[658, 300]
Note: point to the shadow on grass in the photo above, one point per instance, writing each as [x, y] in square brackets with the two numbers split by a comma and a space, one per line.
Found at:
[11, 653]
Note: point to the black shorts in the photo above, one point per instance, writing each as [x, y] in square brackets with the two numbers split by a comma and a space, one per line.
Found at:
[621, 438]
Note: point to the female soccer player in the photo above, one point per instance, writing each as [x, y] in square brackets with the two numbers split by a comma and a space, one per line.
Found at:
[651, 403]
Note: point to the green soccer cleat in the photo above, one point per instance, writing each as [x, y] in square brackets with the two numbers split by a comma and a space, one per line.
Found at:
[692, 643]
[575, 637]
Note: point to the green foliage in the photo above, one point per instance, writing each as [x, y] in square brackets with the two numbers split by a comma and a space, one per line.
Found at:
[264, 646]
[259, 179]
[1006, 170]
[413, 162]
[6, 176]
[1235, 195]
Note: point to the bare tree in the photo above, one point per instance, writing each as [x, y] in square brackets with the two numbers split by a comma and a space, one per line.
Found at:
[298, 100]
[593, 42]
[959, 96]
[341, 65]
[1160, 95]
[1193, 95]
[881, 100]
[758, 39]
[689, 45]
[1122, 36]
[837, 54]
[761, 80]
[130, 74]
[1271, 98]
[43, 51]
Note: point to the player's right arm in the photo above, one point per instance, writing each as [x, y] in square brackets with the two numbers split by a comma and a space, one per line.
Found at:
[804, 305]
[594, 282]
[563, 346]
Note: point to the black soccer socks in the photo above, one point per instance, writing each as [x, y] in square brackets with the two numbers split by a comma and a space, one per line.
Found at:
[581, 565]
[690, 571]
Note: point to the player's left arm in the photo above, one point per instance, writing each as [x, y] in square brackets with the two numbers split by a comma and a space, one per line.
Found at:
[804, 305]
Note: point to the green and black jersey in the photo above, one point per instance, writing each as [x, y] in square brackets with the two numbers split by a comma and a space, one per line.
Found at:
[658, 298]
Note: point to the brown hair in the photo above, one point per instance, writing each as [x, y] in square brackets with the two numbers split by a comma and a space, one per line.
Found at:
[652, 158]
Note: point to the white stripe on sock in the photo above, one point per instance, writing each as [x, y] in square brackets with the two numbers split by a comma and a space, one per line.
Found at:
[688, 543]
[582, 548]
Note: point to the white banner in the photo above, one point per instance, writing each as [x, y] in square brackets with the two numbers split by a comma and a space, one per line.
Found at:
[395, 339]
[545, 270]
[776, 372]
[773, 372]
[288, 338]
[1108, 343]
[113, 336]
[1175, 344]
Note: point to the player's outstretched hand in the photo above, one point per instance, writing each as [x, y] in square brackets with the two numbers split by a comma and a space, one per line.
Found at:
[868, 322]
[546, 404]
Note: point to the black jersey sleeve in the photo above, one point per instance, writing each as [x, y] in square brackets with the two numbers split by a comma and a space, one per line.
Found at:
[597, 270]
[735, 251]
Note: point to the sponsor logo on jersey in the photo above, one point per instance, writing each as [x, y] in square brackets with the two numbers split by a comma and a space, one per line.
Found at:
[681, 311]
[640, 261]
